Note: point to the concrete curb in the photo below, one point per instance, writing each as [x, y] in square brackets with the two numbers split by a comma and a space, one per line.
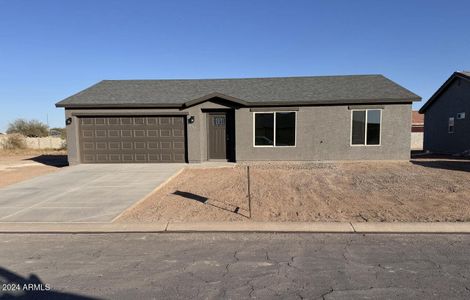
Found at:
[281, 227]
[436, 227]
[260, 227]
[80, 227]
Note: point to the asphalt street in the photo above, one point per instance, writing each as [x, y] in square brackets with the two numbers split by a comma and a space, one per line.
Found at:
[234, 266]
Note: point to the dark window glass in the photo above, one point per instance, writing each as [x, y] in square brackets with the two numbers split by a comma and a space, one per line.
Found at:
[373, 127]
[264, 129]
[285, 129]
[358, 128]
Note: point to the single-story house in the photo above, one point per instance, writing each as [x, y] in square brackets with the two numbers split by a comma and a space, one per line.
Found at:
[446, 116]
[292, 118]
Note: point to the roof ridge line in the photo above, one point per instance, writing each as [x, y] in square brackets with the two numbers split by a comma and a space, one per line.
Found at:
[248, 78]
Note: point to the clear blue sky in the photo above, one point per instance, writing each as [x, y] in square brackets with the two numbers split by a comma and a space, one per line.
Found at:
[52, 49]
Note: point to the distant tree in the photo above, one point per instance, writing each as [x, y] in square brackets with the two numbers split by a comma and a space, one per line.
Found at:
[56, 131]
[32, 128]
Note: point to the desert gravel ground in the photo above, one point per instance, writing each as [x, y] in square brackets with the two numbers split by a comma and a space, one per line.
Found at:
[423, 190]
[20, 165]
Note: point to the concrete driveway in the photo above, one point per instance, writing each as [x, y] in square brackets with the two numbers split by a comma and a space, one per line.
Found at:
[83, 193]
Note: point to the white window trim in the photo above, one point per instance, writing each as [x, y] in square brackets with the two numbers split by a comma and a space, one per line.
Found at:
[274, 129]
[365, 135]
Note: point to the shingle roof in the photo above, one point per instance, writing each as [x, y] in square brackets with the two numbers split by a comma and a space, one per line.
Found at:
[459, 74]
[248, 91]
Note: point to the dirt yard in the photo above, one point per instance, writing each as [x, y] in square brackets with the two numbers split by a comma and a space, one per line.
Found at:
[19, 165]
[423, 190]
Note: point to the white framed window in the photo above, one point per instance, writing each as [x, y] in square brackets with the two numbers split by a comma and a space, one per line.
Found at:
[366, 127]
[275, 129]
[451, 127]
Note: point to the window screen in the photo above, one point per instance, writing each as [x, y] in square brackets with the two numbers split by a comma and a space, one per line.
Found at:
[373, 127]
[285, 129]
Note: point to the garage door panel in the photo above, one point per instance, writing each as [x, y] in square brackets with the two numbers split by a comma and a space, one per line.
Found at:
[165, 133]
[178, 132]
[152, 133]
[88, 133]
[178, 157]
[114, 145]
[115, 158]
[139, 121]
[178, 145]
[126, 121]
[114, 133]
[136, 139]
[100, 133]
[113, 121]
[101, 146]
[139, 133]
[126, 133]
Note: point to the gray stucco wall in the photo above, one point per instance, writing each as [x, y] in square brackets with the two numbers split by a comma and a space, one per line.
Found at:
[455, 99]
[323, 133]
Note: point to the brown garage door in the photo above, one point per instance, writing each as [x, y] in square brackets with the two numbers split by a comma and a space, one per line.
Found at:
[136, 139]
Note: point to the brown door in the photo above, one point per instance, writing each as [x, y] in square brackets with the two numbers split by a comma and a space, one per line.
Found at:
[132, 139]
[217, 139]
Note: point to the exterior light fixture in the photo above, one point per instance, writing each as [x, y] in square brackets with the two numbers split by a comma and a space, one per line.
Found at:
[68, 121]
[191, 120]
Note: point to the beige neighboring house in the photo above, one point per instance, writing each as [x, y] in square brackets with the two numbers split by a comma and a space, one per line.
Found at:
[417, 130]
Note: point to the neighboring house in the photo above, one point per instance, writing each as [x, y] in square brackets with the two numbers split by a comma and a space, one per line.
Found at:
[294, 118]
[446, 116]
[417, 130]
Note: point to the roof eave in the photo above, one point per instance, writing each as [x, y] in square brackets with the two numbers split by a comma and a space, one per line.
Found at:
[120, 105]
[244, 103]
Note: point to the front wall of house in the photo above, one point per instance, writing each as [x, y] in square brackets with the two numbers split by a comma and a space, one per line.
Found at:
[323, 133]
[454, 100]
[196, 132]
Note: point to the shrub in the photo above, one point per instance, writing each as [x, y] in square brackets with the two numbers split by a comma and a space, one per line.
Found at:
[14, 141]
[32, 128]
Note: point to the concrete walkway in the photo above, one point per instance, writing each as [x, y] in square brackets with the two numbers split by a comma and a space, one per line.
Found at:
[83, 193]
[281, 227]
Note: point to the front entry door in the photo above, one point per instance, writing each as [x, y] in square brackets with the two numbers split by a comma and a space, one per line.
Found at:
[217, 139]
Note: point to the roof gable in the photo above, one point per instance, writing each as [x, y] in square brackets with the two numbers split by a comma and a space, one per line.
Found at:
[443, 88]
[212, 96]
